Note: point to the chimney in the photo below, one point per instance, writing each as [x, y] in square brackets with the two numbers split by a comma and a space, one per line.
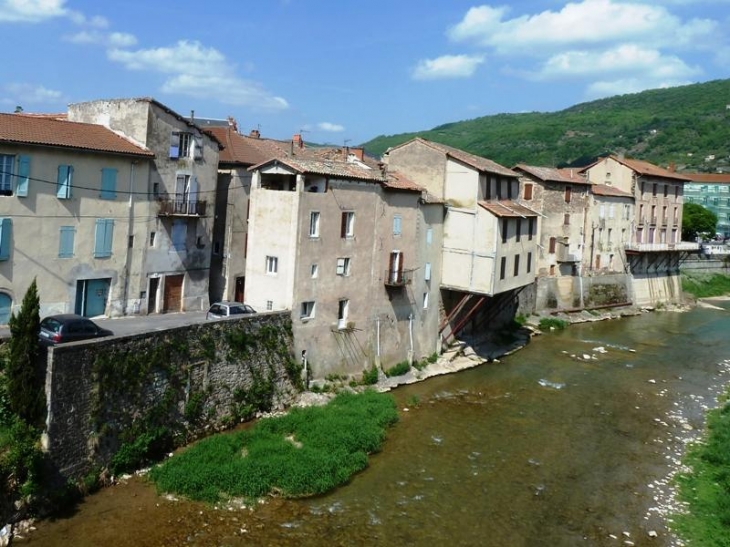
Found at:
[192, 116]
[255, 134]
[672, 167]
[358, 152]
[233, 123]
[297, 141]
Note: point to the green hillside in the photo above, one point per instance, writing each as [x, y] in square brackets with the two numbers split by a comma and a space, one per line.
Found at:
[680, 125]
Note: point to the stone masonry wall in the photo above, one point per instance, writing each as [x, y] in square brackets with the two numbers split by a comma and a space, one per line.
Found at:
[565, 292]
[186, 381]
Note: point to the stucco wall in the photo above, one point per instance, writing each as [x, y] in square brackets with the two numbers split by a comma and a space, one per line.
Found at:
[421, 163]
[97, 392]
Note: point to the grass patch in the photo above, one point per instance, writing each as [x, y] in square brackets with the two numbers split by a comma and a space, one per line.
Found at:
[398, 370]
[706, 488]
[309, 451]
[370, 376]
[549, 323]
[706, 286]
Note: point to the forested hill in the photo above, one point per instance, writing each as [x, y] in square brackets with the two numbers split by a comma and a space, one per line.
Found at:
[685, 125]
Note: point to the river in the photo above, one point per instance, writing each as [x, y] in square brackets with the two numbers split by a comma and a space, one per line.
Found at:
[544, 448]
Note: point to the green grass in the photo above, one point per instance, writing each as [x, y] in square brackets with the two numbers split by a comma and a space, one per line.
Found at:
[706, 286]
[398, 370]
[309, 451]
[706, 488]
[547, 323]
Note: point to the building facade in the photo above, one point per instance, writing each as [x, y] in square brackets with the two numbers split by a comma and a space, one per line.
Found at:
[712, 191]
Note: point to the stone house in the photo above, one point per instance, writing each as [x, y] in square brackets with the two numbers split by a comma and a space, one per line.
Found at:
[73, 215]
[352, 251]
[610, 223]
[181, 190]
[490, 240]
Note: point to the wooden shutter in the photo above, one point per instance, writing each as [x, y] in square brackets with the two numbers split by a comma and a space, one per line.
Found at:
[66, 242]
[174, 145]
[6, 237]
[21, 188]
[198, 151]
[528, 192]
[108, 183]
[65, 176]
[552, 245]
[343, 225]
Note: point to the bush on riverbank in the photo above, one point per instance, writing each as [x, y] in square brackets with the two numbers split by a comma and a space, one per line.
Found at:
[308, 451]
[552, 323]
[706, 487]
[706, 286]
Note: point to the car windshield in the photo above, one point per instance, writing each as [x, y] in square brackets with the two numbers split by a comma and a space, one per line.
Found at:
[53, 325]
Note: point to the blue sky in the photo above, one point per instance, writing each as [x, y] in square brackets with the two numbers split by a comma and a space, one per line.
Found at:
[349, 71]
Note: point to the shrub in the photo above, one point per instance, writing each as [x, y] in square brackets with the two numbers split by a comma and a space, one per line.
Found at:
[370, 376]
[146, 448]
[548, 323]
[398, 370]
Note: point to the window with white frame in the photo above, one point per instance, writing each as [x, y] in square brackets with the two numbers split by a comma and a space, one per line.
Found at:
[343, 309]
[7, 162]
[347, 224]
[314, 224]
[186, 145]
[307, 310]
[397, 228]
[272, 265]
[425, 301]
[343, 266]
[315, 271]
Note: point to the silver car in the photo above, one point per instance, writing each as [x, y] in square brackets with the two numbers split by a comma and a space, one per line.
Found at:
[223, 310]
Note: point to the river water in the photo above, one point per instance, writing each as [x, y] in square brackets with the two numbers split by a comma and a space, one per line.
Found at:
[544, 448]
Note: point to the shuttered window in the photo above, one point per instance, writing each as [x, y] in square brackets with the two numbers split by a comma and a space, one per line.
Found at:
[66, 242]
[108, 183]
[21, 189]
[6, 237]
[65, 181]
[103, 238]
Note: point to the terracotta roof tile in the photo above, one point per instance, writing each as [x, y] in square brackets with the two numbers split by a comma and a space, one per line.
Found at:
[551, 174]
[50, 131]
[607, 190]
[239, 149]
[326, 168]
[713, 178]
[398, 181]
[477, 162]
[507, 208]
[642, 168]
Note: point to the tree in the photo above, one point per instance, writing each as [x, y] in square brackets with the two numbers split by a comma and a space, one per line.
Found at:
[25, 379]
[697, 221]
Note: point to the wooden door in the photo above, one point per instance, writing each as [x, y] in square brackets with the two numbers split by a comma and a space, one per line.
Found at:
[173, 293]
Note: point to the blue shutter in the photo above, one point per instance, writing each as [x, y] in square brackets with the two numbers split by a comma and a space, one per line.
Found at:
[66, 242]
[108, 183]
[6, 237]
[174, 145]
[65, 176]
[21, 188]
[103, 238]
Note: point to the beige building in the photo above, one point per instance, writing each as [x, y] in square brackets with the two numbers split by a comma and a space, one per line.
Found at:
[352, 251]
[490, 239]
[610, 222]
[74, 215]
[181, 190]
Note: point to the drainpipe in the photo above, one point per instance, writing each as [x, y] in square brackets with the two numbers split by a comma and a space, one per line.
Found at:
[410, 338]
[130, 232]
[377, 341]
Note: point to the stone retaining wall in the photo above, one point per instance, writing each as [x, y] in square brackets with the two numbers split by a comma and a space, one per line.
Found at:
[188, 380]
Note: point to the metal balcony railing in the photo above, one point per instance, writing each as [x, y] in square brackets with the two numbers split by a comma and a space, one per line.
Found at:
[175, 207]
[397, 278]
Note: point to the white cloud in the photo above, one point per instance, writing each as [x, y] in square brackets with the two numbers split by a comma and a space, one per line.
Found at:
[447, 66]
[623, 59]
[602, 89]
[31, 11]
[589, 22]
[330, 127]
[199, 72]
[23, 93]
[109, 39]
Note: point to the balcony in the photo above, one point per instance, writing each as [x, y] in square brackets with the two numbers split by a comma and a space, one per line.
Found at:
[397, 278]
[659, 247]
[180, 208]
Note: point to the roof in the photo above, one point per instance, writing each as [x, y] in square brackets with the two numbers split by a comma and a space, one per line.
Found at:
[507, 208]
[551, 174]
[397, 181]
[714, 178]
[477, 162]
[340, 169]
[239, 149]
[643, 168]
[609, 191]
[49, 131]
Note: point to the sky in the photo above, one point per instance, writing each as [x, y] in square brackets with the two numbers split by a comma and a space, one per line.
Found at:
[345, 72]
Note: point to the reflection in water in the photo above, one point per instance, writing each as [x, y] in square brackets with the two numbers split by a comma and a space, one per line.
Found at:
[544, 448]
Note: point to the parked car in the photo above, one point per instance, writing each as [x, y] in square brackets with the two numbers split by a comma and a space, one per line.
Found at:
[69, 327]
[222, 310]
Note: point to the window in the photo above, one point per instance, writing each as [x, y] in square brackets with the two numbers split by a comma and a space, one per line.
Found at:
[179, 235]
[6, 237]
[21, 188]
[130, 242]
[347, 225]
[517, 265]
[552, 269]
[653, 189]
[602, 211]
[216, 247]
[269, 305]
[397, 225]
[108, 183]
[103, 237]
[503, 267]
[676, 215]
[611, 211]
[567, 194]
[666, 190]
[153, 236]
[425, 301]
[566, 219]
[342, 311]
[530, 228]
[505, 224]
[155, 189]
[676, 192]
[343, 266]
[518, 229]
[527, 194]
[429, 235]
[314, 224]
[551, 248]
[64, 182]
[395, 268]
[529, 262]
[307, 310]
[610, 233]
[427, 272]
[7, 162]
[66, 242]
[182, 144]
[272, 265]
[314, 270]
